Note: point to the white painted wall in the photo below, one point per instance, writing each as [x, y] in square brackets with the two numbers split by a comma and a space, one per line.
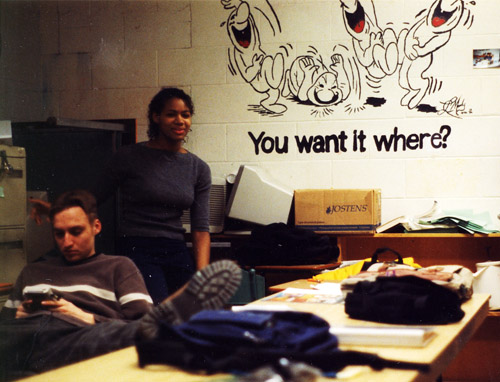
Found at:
[106, 59]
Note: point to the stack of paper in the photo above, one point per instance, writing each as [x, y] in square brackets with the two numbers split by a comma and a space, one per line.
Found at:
[412, 223]
[383, 336]
[464, 223]
[435, 220]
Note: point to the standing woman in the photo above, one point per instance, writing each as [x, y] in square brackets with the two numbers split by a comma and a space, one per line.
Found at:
[158, 180]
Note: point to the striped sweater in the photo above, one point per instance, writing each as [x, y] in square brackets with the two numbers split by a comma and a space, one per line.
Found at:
[110, 287]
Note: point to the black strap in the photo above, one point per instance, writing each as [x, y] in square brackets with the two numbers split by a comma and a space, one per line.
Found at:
[375, 255]
[379, 251]
[177, 353]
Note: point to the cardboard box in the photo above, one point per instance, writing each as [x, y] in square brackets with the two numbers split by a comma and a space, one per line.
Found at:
[338, 211]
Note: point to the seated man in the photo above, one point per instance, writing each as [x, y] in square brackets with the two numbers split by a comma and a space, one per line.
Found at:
[102, 300]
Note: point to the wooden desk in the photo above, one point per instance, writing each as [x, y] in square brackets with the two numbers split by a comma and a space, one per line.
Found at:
[300, 284]
[426, 248]
[478, 362]
[277, 274]
[314, 269]
[122, 365]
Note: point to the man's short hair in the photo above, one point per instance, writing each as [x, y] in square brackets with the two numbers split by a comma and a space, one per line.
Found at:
[75, 198]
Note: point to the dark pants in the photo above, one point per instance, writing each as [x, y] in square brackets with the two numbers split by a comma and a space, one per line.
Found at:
[42, 342]
[165, 264]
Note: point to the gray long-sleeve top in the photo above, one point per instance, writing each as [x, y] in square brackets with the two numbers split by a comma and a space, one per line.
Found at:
[156, 186]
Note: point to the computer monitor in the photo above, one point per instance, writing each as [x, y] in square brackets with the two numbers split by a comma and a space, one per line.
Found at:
[258, 198]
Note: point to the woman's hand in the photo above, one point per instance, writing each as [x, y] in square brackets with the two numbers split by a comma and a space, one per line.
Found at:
[201, 248]
[38, 209]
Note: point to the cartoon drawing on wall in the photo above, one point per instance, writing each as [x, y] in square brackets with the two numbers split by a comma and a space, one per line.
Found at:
[376, 49]
[353, 77]
[310, 81]
[431, 31]
[263, 72]
[382, 54]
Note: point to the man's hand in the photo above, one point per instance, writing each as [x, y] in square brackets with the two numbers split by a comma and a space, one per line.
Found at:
[61, 306]
[21, 312]
[65, 307]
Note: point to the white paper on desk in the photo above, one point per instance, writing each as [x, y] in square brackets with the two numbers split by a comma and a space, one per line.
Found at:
[325, 291]
[267, 307]
[330, 288]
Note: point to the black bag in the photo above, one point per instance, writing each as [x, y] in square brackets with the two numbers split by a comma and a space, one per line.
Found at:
[215, 341]
[406, 300]
[279, 244]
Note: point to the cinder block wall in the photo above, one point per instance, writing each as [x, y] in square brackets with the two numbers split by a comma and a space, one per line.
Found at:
[106, 59]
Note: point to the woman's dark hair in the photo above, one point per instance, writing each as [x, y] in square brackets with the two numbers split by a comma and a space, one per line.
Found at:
[76, 198]
[158, 103]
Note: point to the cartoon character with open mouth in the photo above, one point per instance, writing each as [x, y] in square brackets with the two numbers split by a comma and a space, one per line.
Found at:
[262, 71]
[430, 32]
[375, 49]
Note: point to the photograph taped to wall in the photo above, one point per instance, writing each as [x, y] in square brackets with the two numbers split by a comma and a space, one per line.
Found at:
[486, 58]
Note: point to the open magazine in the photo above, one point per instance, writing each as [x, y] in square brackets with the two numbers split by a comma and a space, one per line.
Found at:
[308, 296]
